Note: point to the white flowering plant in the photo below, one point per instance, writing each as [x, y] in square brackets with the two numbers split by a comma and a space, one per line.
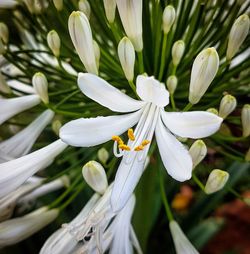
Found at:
[141, 104]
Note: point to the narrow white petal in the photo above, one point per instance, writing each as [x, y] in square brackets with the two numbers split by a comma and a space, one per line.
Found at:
[127, 176]
[181, 242]
[174, 155]
[94, 131]
[21, 143]
[11, 107]
[102, 92]
[151, 90]
[16, 172]
[196, 124]
[15, 230]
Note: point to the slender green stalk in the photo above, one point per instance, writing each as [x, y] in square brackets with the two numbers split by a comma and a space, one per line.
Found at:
[163, 56]
[140, 61]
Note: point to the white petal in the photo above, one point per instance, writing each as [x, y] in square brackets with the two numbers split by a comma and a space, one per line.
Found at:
[102, 92]
[174, 155]
[181, 242]
[16, 172]
[11, 107]
[151, 90]
[196, 124]
[127, 176]
[87, 132]
[21, 143]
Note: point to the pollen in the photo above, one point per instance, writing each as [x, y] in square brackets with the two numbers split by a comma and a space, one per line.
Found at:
[117, 139]
[124, 147]
[131, 135]
[145, 142]
[139, 148]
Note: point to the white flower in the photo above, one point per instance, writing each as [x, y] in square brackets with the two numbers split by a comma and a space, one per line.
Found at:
[149, 116]
[8, 203]
[131, 16]
[181, 242]
[204, 69]
[21, 143]
[11, 107]
[81, 36]
[15, 230]
[8, 3]
[16, 172]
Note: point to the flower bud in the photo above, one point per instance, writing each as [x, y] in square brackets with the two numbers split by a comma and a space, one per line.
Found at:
[213, 110]
[4, 33]
[2, 48]
[84, 6]
[4, 87]
[103, 155]
[204, 69]
[97, 53]
[247, 156]
[227, 105]
[81, 36]
[198, 151]
[172, 84]
[131, 16]
[237, 35]
[216, 181]
[168, 18]
[126, 55]
[40, 84]
[56, 125]
[58, 4]
[95, 176]
[110, 6]
[54, 42]
[178, 51]
[245, 119]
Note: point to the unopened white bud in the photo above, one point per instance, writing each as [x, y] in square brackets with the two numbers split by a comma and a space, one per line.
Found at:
[216, 181]
[168, 18]
[204, 69]
[81, 36]
[131, 16]
[4, 87]
[198, 151]
[245, 119]
[97, 53]
[213, 110]
[58, 4]
[40, 84]
[4, 33]
[227, 105]
[172, 82]
[54, 42]
[178, 51]
[56, 125]
[237, 35]
[103, 155]
[110, 7]
[95, 176]
[126, 55]
[84, 6]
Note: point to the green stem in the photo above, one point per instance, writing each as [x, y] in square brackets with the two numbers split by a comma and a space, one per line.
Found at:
[140, 60]
[198, 182]
[188, 106]
[172, 101]
[164, 199]
[132, 85]
[66, 98]
[163, 56]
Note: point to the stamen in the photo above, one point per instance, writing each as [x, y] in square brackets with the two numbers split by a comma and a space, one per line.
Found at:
[131, 135]
[117, 139]
[139, 148]
[124, 147]
[145, 142]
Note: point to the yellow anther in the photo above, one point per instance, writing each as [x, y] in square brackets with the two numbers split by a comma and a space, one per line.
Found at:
[124, 147]
[139, 148]
[131, 135]
[145, 142]
[117, 139]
